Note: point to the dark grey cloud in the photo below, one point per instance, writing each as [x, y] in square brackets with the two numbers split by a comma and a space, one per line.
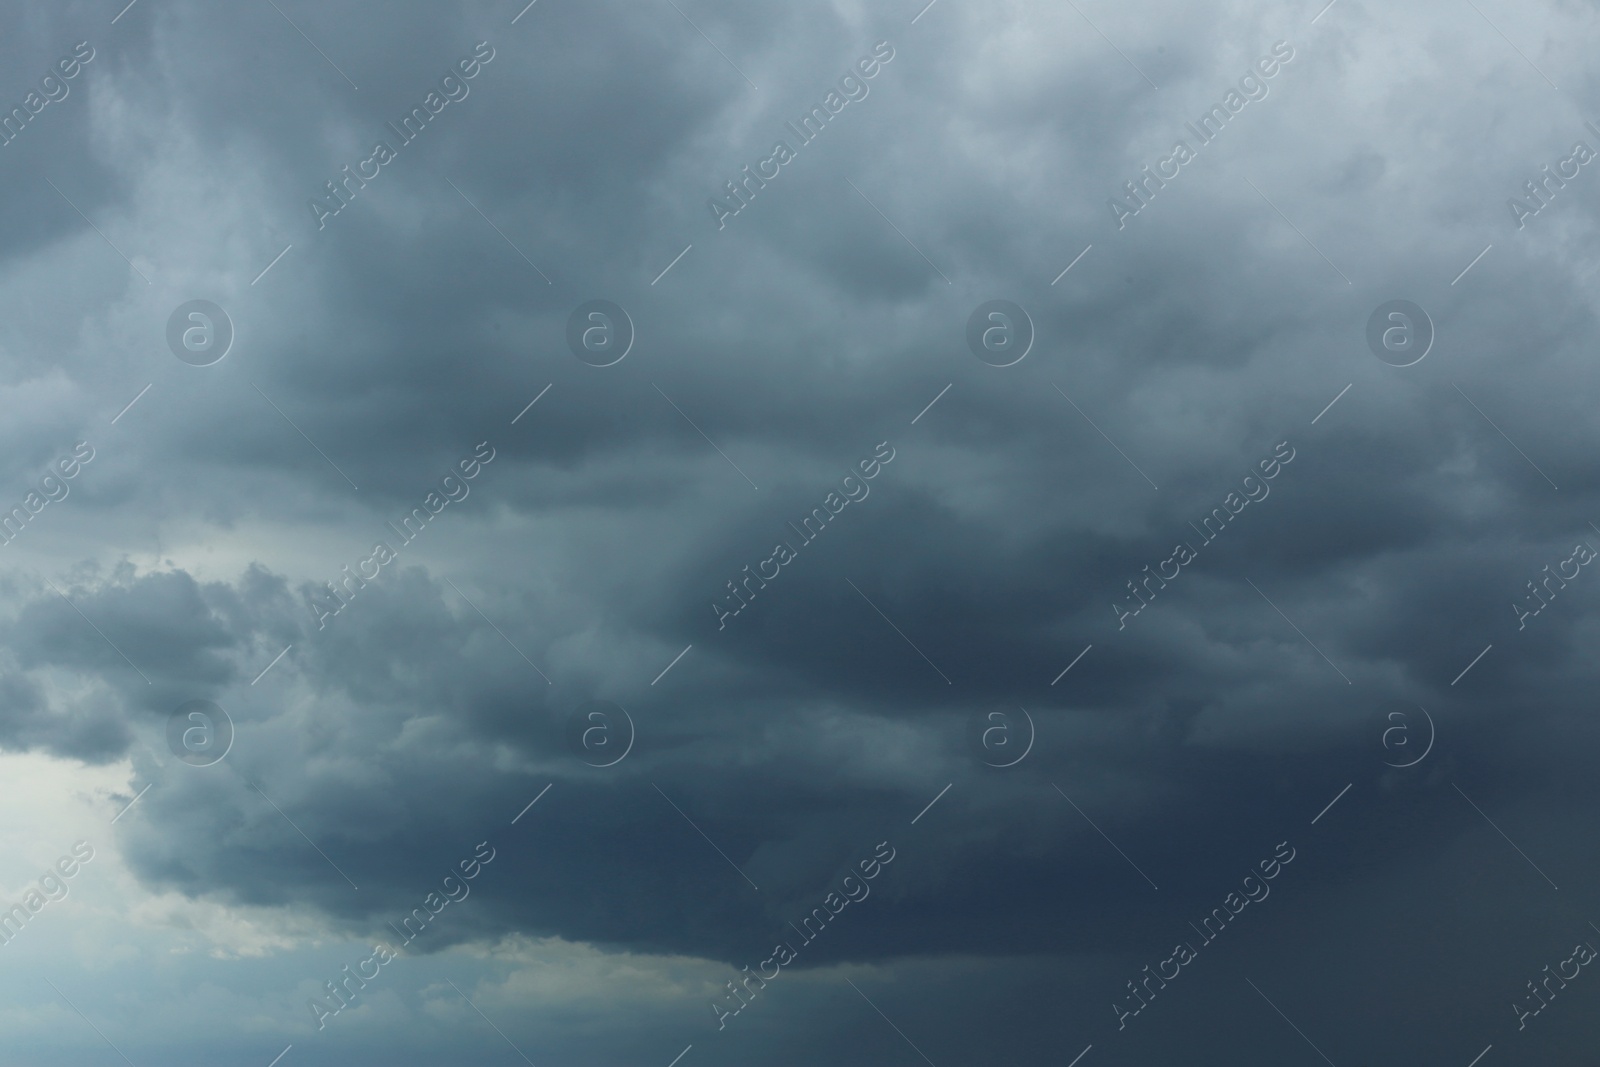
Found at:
[377, 746]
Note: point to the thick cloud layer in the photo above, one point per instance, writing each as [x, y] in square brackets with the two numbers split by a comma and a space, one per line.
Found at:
[688, 637]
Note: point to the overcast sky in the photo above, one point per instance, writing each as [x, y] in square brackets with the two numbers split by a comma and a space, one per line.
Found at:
[1015, 481]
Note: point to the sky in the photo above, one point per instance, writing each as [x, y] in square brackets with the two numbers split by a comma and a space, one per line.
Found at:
[693, 533]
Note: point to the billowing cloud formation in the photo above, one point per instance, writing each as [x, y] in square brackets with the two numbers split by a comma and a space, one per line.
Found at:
[1079, 557]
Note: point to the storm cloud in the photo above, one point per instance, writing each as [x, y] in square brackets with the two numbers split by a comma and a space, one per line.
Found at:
[502, 497]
